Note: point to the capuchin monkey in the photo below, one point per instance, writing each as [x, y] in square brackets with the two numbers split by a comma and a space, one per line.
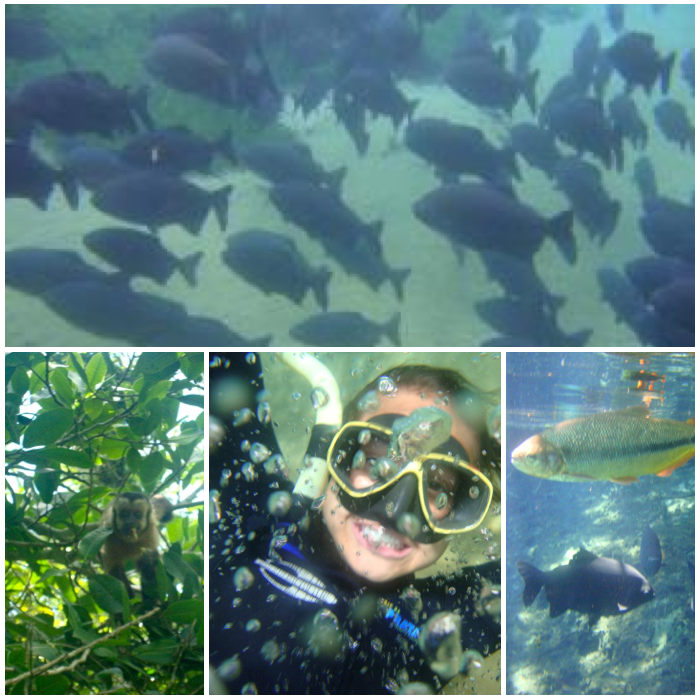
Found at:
[134, 519]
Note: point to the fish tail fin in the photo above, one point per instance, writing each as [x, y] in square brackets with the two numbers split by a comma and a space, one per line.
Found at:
[614, 213]
[188, 267]
[554, 302]
[320, 286]
[511, 162]
[69, 187]
[397, 278]
[219, 202]
[224, 146]
[392, 329]
[561, 229]
[139, 103]
[528, 88]
[534, 580]
[411, 108]
[665, 71]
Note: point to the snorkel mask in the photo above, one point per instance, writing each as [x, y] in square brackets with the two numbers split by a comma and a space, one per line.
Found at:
[407, 473]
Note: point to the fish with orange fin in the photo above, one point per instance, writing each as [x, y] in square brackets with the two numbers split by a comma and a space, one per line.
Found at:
[617, 446]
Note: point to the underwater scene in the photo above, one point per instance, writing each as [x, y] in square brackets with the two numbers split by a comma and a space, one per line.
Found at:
[349, 175]
[355, 523]
[600, 523]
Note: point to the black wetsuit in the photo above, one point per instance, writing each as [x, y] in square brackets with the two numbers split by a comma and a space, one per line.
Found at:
[279, 632]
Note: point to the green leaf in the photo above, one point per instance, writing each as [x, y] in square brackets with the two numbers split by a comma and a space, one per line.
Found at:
[189, 434]
[109, 593]
[159, 390]
[153, 362]
[113, 449]
[183, 612]
[193, 400]
[90, 544]
[134, 460]
[46, 482]
[48, 427]
[94, 407]
[63, 455]
[192, 365]
[51, 685]
[96, 370]
[161, 651]
[62, 385]
[151, 469]
[20, 381]
[76, 361]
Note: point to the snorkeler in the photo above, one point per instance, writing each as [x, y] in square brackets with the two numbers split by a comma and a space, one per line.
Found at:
[312, 586]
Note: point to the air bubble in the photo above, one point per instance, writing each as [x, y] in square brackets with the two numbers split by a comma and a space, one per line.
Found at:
[359, 460]
[319, 397]
[243, 578]
[386, 386]
[441, 501]
[242, 416]
[279, 503]
[250, 358]
[474, 492]
[264, 412]
[259, 453]
[253, 625]
[364, 437]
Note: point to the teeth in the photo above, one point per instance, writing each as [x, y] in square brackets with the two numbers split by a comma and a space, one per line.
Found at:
[377, 537]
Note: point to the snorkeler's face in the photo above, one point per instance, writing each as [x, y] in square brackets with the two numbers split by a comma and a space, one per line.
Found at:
[390, 554]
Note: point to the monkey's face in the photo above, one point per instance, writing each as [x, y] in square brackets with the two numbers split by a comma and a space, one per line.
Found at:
[131, 518]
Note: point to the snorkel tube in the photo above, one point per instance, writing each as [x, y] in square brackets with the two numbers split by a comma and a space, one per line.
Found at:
[313, 478]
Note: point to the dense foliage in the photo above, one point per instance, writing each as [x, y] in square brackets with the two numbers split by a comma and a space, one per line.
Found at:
[80, 427]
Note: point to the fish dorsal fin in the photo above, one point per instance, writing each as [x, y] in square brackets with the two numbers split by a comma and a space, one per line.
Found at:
[583, 556]
[634, 411]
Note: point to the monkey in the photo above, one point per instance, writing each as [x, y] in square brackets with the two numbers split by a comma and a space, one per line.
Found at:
[134, 519]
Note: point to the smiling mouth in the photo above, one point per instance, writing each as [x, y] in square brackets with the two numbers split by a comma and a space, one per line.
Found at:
[381, 540]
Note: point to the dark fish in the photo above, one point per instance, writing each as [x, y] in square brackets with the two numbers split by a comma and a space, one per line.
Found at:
[289, 162]
[634, 57]
[353, 243]
[672, 119]
[28, 177]
[588, 584]
[323, 214]
[345, 329]
[139, 254]
[616, 16]
[562, 91]
[33, 271]
[582, 184]
[669, 227]
[480, 216]
[272, 263]
[627, 121]
[351, 115]
[376, 92]
[155, 200]
[29, 40]
[688, 69]
[92, 166]
[645, 178]
[115, 311]
[581, 123]
[488, 84]
[183, 64]
[177, 150]
[536, 146]
[314, 90]
[526, 38]
[525, 317]
[629, 306]
[586, 57]
[83, 102]
[675, 304]
[654, 272]
[650, 554]
[518, 279]
[455, 149]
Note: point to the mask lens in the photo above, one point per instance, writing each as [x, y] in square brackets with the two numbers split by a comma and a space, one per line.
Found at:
[457, 496]
[359, 458]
